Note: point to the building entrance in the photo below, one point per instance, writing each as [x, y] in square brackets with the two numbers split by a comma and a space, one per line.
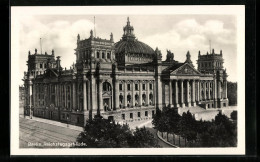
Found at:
[106, 104]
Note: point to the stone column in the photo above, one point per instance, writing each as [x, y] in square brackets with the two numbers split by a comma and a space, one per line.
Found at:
[100, 99]
[193, 93]
[188, 93]
[84, 95]
[201, 90]
[117, 94]
[34, 94]
[125, 94]
[133, 95]
[209, 84]
[176, 93]
[215, 93]
[30, 98]
[219, 88]
[147, 92]
[140, 93]
[225, 89]
[93, 95]
[55, 94]
[205, 95]
[181, 103]
[198, 91]
[59, 95]
[65, 94]
[154, 93]
[170, 93]
[74, 95]
[71, 96]
[89, 95]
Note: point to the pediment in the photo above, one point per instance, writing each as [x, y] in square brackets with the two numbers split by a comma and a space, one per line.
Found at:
[186, 69]
[106, 93]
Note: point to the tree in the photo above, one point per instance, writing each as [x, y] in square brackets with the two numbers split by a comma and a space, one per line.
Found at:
[187, 127]
[221, 132]
[161, 121]
[232, 93]
[103, 133]
[142, 138]
[174, 119]
[233, 115]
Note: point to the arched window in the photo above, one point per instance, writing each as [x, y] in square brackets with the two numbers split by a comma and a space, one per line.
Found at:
[120, 100]
[150, 99]
[108, 55]
[143, 99]
[97, 54]
[103, 55]
[128, 100]
[136, 99]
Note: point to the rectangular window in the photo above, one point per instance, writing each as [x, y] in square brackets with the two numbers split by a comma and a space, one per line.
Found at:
[120, 87]
[123, 116]
[146, 113]
[151, 86]
[143, 86]
[139, 114]
[128, 87]
[153, 113]
[136, 87]
[131, 115]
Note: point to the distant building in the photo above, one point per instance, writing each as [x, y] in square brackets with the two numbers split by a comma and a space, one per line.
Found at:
[122, 81]
[21, 97]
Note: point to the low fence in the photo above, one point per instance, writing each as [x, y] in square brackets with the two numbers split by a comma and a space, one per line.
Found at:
[175, 140]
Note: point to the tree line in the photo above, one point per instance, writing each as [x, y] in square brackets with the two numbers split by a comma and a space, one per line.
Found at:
[220, 132]
[104, 133]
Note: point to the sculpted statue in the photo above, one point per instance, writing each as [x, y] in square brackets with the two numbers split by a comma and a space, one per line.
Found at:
[169, 56]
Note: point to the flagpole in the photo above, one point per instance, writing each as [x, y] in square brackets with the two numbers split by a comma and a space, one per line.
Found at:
[94, 27]
[41, 44]
[209, 46]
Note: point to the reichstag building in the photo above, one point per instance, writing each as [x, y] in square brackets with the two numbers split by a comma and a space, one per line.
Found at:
[123, 81]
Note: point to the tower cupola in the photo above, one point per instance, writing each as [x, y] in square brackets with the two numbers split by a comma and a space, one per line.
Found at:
[128, 31]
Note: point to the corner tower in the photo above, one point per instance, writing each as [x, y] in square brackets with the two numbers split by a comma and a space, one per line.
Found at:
[212, 63]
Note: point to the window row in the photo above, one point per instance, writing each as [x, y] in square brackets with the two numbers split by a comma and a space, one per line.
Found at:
[103, 55]
[209, 64]
[123, 116]
[136, 87]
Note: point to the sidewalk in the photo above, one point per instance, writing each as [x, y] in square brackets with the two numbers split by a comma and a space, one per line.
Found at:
[52, 122]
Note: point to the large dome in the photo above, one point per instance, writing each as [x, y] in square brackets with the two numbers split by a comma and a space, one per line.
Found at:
[132, 46]
[129, 44]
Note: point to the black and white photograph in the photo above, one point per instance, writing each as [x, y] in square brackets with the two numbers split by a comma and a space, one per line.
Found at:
[128, 80]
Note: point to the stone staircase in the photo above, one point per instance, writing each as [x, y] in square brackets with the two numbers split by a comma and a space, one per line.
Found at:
[209, 114]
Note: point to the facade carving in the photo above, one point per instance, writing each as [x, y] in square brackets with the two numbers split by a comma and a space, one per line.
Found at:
[123, 81]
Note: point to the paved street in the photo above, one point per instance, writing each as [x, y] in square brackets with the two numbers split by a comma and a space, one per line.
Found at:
[36, 134]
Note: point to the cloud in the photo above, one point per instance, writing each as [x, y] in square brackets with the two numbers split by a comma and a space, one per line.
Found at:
[186, 34]
[58, 35]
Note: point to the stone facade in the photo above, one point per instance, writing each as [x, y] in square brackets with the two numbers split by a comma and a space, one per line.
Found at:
[124, 81]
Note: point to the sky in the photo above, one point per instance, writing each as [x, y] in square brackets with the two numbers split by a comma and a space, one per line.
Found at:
[178, 33]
